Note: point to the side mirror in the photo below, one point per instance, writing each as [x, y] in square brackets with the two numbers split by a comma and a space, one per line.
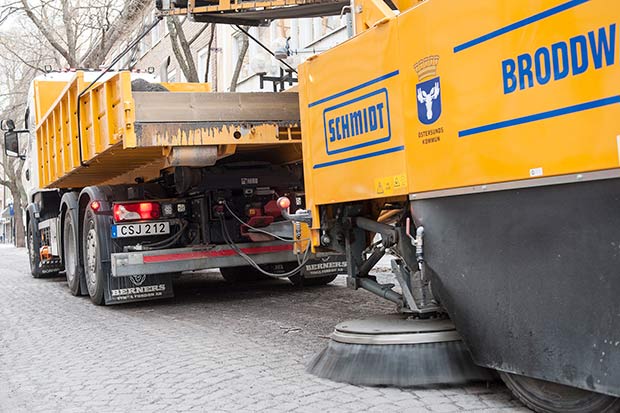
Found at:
[11, 144]
[7, 125]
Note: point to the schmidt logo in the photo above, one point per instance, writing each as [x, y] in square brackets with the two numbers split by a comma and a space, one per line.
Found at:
[357, 123]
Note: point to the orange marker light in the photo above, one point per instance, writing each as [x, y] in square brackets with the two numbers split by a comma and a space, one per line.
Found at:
[284, 202]
[95, 205]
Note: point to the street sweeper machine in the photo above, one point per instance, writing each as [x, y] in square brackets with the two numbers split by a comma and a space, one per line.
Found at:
[479, 143]
[480, 140]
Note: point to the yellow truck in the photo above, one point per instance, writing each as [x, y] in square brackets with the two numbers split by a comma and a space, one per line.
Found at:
[479, 140]
[135, 181]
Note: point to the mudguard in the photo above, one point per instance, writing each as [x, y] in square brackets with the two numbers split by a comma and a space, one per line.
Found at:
[138, 287]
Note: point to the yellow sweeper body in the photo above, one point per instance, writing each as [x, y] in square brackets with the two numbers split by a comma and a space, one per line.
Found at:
[462, 94]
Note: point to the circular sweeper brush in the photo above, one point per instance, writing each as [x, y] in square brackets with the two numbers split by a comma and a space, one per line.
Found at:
[394, 350]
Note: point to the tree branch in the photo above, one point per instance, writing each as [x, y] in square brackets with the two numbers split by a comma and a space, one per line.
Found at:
[18, 57]
[114, 31]
[47, 33]
[197, 35]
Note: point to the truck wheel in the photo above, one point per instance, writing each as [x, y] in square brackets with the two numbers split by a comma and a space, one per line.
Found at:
[300, 281]
[93, 270]
[547, 397]
[34, 245]
[243, 274]
[73, 268]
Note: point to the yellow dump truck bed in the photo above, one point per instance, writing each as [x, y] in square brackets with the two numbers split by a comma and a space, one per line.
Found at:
[119, 135]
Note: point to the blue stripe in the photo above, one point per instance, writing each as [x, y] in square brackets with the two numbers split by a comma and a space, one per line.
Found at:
[541, 116]
[353, 89]
[358, 157]
[521, 23]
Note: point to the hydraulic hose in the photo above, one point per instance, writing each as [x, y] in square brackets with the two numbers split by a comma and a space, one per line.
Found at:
[253, 263]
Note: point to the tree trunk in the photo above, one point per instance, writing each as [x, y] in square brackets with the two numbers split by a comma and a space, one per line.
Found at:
[181, 49]
[13, 168]
[245, 43]
[209, 51]
[20, 235]
[18, 217]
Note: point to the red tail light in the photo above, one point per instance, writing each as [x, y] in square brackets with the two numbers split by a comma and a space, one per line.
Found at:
[137, 211]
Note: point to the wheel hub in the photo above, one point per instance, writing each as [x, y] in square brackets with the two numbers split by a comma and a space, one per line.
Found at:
[70, 253]
[91, 259]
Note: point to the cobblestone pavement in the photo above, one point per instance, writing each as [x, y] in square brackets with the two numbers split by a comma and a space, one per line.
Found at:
[215, 347]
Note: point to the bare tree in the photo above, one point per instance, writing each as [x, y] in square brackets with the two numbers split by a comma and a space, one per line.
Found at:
[15, 76]
[81, 31]
[181, 47]
[113, 30]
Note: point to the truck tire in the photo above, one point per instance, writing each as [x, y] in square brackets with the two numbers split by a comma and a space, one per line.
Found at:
[34, 245]
[93, 268]
[299, 281]
[71, 252]
[242, 274]
[547, 397]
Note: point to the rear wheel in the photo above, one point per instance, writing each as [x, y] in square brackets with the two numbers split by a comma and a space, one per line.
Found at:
[73, 267]
[547, 397]
[298, 280]
[93, 270]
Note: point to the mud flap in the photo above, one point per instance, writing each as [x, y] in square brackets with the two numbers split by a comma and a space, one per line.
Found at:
[138, 288]
[325, 266]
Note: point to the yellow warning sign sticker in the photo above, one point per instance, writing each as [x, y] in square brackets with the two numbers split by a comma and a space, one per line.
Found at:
[400, 181]
[379, 187]
[387, 185]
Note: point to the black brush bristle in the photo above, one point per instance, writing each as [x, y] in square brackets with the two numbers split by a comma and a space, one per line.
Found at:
[402, 365]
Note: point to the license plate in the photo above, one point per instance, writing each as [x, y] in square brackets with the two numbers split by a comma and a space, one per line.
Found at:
[140, 230]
